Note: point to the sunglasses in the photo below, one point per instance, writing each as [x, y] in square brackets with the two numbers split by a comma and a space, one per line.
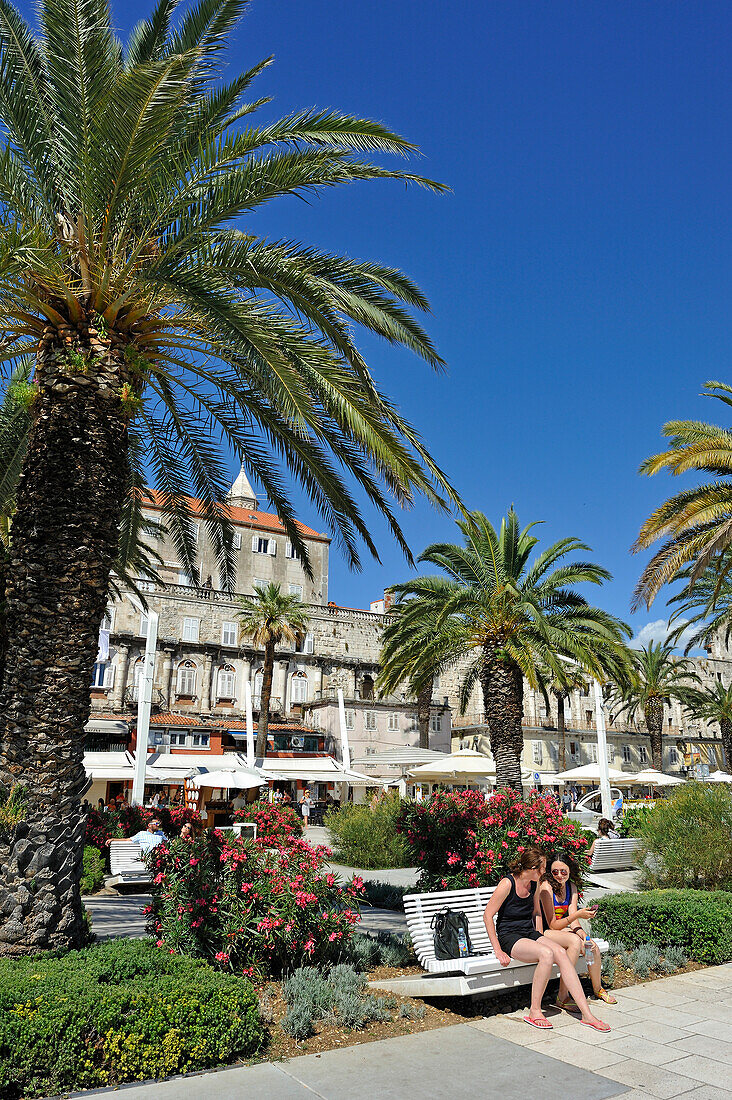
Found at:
[559, 872]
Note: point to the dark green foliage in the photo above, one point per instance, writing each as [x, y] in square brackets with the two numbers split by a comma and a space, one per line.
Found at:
[382, 895]
[633, 818]
[686, 839]
[366, 835]
[697, 921]
[92, 876]
[124, 1011]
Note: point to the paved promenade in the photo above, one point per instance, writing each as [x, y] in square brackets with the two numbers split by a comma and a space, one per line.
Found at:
[671, 1037]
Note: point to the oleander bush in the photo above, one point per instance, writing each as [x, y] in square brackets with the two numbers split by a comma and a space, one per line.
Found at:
[123, 1011]
[460, 839]
[104, 825]
[250, 909]
[686, 839]
[365, 835]
[699, 922]
[276, 824]
[92, 875]
[633, 818]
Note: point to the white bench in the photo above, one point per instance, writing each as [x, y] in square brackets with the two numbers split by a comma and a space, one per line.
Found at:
[473, 974]
[245, 829]
[614, 855]
[126, 863]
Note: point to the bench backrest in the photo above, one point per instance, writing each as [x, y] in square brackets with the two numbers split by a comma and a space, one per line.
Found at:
[245, 829]
[420, 909]
[125, 857]
[613, 853]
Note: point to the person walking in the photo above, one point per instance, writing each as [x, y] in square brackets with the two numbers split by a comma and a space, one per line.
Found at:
[306, 805]
[514, 925]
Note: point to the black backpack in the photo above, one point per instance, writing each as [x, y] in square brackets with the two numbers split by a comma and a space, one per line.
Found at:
[446, 927]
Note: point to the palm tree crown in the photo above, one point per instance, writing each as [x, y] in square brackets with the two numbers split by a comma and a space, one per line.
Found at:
[270, 617]
[713, 703]
[697, 524]
[519, 615]
[656, 677]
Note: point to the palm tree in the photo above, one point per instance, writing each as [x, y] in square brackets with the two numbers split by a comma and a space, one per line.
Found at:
[516, 615]
[656, 677]
[697, 524]
[561, 682]
[414, 650]
[270, 618]
[708, 600]
[162, 331]
[713, 704]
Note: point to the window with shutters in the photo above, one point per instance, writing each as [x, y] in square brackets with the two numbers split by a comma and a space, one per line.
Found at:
[291, 552]
[626, 754]
[260, 545]
[190, 630]
[350, 719]
[228, 633]
[103, 675]
[610, 753]
[186, 680]
[136, 680]
[393, 723]
[673, 756]
[299, 688]
[592, 754]
[369, 719]
[436, 723]
[295, 590]
[226, 683]
[574, 749]
[194, 532]
[144, 625]
[643, 754]
[236, 540]
[537, 753]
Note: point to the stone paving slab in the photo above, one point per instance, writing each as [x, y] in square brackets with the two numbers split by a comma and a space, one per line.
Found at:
[450, 1063]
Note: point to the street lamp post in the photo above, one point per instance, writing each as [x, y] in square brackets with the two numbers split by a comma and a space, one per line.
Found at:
[144, 700]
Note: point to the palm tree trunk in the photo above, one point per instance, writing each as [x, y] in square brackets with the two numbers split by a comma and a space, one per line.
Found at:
[653, 713]
[561, 732]
[424, 703]
[63, 546]
[503, 703]
[267, 675]
[725, 728]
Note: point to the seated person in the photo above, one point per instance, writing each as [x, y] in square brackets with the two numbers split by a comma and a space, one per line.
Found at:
[147, 838]
[605, 831]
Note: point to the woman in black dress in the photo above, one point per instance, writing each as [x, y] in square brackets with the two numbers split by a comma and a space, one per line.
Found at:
[514, 924]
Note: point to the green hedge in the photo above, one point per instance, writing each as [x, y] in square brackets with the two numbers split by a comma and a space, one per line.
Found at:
[365, 835]
[92, 876]
[698, 921]
[124, 1011]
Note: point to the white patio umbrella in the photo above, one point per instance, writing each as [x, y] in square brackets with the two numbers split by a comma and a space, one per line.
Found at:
[651, 777]
[590, 773]
[236, 779]
[465, 766]
[718, 777]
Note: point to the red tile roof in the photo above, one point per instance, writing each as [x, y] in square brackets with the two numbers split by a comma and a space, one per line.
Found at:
[171, 719]
[174, 720]
[248, 517]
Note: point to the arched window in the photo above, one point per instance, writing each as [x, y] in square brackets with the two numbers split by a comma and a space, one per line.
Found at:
[186, 682]
[299, 688]
[367, 687]
[226, 683]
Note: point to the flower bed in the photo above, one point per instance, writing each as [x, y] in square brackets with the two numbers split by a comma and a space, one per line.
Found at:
[249, 909]
[124, 1011]
[276, 824]
[459, 839]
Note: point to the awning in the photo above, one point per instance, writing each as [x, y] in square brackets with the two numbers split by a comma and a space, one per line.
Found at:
[113, 727]
[168, 767]
[109, 765]
[318, 769]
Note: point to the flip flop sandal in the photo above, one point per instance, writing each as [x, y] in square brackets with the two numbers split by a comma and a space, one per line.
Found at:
[599, 1026]
[603, 995]
[567, 1005]
[542, 1023]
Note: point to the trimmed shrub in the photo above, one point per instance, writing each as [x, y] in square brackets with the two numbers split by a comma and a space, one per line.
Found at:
[249, 909]
[633, 818]
[124, 1011]
[686, 839]
[382, 895]
[276, 824]
[92, 875]
[459, 839]
[697, 921]
[366, 835]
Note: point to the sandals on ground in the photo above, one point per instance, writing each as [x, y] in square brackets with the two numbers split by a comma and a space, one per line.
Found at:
[567, 1005]
[541, 1022]
[596, 1025]
[603, 995]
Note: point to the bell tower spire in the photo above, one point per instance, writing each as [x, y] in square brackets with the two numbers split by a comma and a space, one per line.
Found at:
[241, 494]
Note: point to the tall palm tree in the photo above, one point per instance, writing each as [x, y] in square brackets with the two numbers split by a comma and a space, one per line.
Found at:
[656, 677]
[269, 618]
[415, 648]
[697, 523]
[561, 682]
[153, 315]
[516, 615]
[707, 600]
[713, 703]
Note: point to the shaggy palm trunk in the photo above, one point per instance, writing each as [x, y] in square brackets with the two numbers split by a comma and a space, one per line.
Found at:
[424, 703]
[653, 713]
[503, 703]
[64, 538]
[561, 732]
[725, 728]
[267, 675]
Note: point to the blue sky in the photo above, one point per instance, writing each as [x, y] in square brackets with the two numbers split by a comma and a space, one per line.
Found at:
[579, 272]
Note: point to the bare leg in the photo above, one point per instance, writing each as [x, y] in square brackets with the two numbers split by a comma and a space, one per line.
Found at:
[594, 969]
[570, 941]
[571, 979]
[542, 953]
